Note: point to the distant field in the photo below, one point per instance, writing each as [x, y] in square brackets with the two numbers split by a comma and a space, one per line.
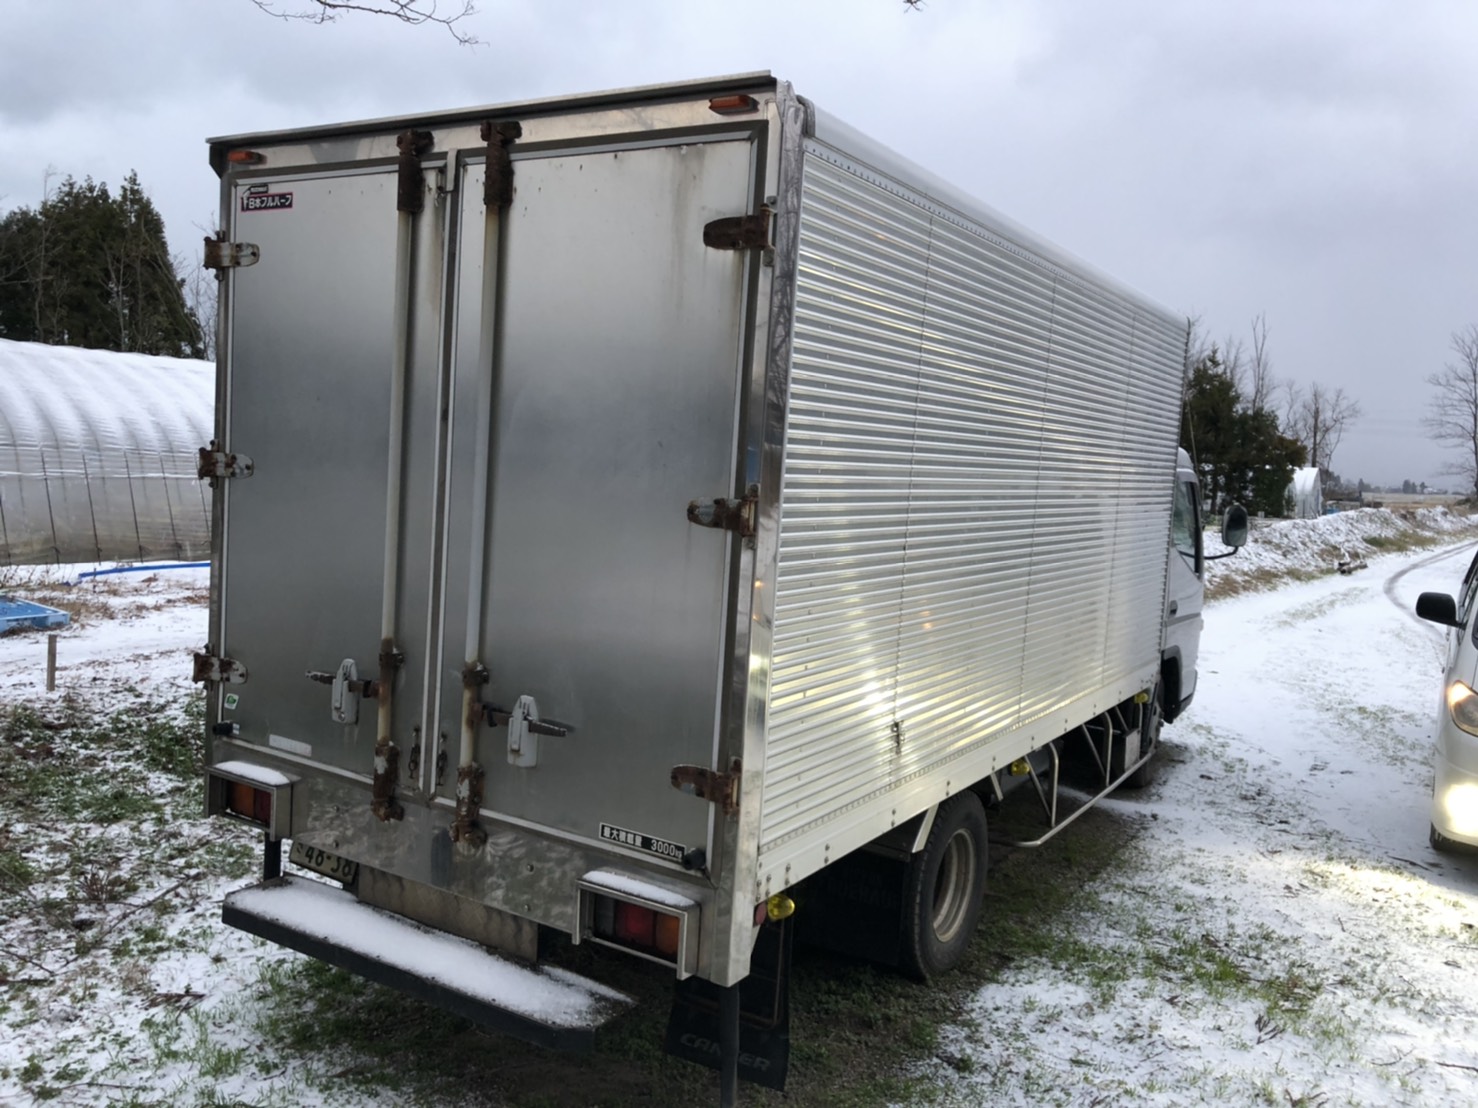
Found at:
[1412, 499]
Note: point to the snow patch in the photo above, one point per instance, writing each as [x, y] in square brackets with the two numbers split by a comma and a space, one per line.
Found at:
[256, 775]
[625, 884]
[334, 916]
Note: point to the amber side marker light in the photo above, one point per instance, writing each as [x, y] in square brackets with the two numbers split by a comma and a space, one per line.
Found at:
[246, 157]
[732, 105]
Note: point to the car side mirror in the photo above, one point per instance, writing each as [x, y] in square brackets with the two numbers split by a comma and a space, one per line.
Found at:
[1438, 607]
[1234, 527]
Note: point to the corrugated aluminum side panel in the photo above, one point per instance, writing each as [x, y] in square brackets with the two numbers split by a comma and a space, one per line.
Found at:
[976, 496]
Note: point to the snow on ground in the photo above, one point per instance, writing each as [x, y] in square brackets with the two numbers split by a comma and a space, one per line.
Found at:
[140, 626]
[1285, 936]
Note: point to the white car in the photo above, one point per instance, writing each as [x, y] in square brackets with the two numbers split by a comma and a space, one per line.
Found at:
[1455, 782]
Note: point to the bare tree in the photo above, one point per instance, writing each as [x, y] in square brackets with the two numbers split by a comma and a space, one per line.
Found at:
[202, 292]
[414, 12]
[1319, 418]
[1452, 415]
[1234, 363]
[1261, 384]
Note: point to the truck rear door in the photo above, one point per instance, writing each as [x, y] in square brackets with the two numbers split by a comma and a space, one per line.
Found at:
[615, 402]
[311, 337]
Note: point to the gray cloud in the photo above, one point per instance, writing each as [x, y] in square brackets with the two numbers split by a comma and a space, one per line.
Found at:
[1313, 161]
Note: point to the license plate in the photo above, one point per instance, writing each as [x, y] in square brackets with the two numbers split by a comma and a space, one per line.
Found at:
[321, 861]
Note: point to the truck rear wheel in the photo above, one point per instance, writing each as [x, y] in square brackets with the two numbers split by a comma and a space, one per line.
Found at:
[946, 881]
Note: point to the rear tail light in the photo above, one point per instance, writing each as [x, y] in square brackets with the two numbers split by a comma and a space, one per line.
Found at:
[634, 925]
[640, 918]
[251, 793]
[250, 803]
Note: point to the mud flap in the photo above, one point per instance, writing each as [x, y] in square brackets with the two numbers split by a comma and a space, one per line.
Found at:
[764, 1014]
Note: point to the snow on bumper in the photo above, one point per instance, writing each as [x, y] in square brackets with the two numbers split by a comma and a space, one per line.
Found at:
[545, 1005]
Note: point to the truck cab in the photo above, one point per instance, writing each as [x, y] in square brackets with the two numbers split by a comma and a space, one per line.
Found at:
[1185, 584]
[1185, 591]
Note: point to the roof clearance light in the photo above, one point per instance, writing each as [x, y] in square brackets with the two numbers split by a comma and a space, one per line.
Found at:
[246, 157]
[732, 105]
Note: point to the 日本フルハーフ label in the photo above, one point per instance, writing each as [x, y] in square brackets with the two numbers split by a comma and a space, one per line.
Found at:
[266, 201]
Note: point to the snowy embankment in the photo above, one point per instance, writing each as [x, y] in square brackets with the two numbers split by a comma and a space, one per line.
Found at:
[1279, 549]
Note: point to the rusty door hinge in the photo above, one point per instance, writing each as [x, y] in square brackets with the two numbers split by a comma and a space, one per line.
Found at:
[220, 254]
[410, 192]
[210, 667]
[497, 181]
[465, 828]
[727, 513]
[710, 785]
[739, 232]
[216, 463]
[387, 776]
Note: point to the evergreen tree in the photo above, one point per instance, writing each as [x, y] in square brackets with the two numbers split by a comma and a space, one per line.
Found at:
[1241, 455]
[88, 268]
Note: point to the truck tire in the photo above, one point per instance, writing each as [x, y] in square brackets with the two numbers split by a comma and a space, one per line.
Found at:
[1149, 739]
[946, 881]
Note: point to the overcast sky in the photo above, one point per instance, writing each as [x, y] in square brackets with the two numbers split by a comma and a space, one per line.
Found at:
[1312, 160]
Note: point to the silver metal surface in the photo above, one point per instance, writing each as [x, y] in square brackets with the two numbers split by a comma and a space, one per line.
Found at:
[518, 870]
[472, 919]
[311, 392]
[975, 509]
[615, 405]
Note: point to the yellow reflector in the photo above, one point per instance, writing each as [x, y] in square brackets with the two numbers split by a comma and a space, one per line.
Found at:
[779, 907]
[1020, 768]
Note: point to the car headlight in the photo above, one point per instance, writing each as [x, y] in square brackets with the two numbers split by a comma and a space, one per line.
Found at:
[1460, 808]
[1462, 702]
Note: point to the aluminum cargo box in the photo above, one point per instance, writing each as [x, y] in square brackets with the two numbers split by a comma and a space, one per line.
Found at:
[727, 451]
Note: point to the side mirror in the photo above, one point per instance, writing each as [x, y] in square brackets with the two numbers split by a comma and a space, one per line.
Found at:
[1438, 607]
[1234, 527]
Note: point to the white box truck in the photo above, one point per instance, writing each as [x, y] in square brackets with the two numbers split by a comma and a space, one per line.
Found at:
[648, 518]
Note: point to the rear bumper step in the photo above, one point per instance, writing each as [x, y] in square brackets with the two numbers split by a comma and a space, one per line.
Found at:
[544, 1005]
